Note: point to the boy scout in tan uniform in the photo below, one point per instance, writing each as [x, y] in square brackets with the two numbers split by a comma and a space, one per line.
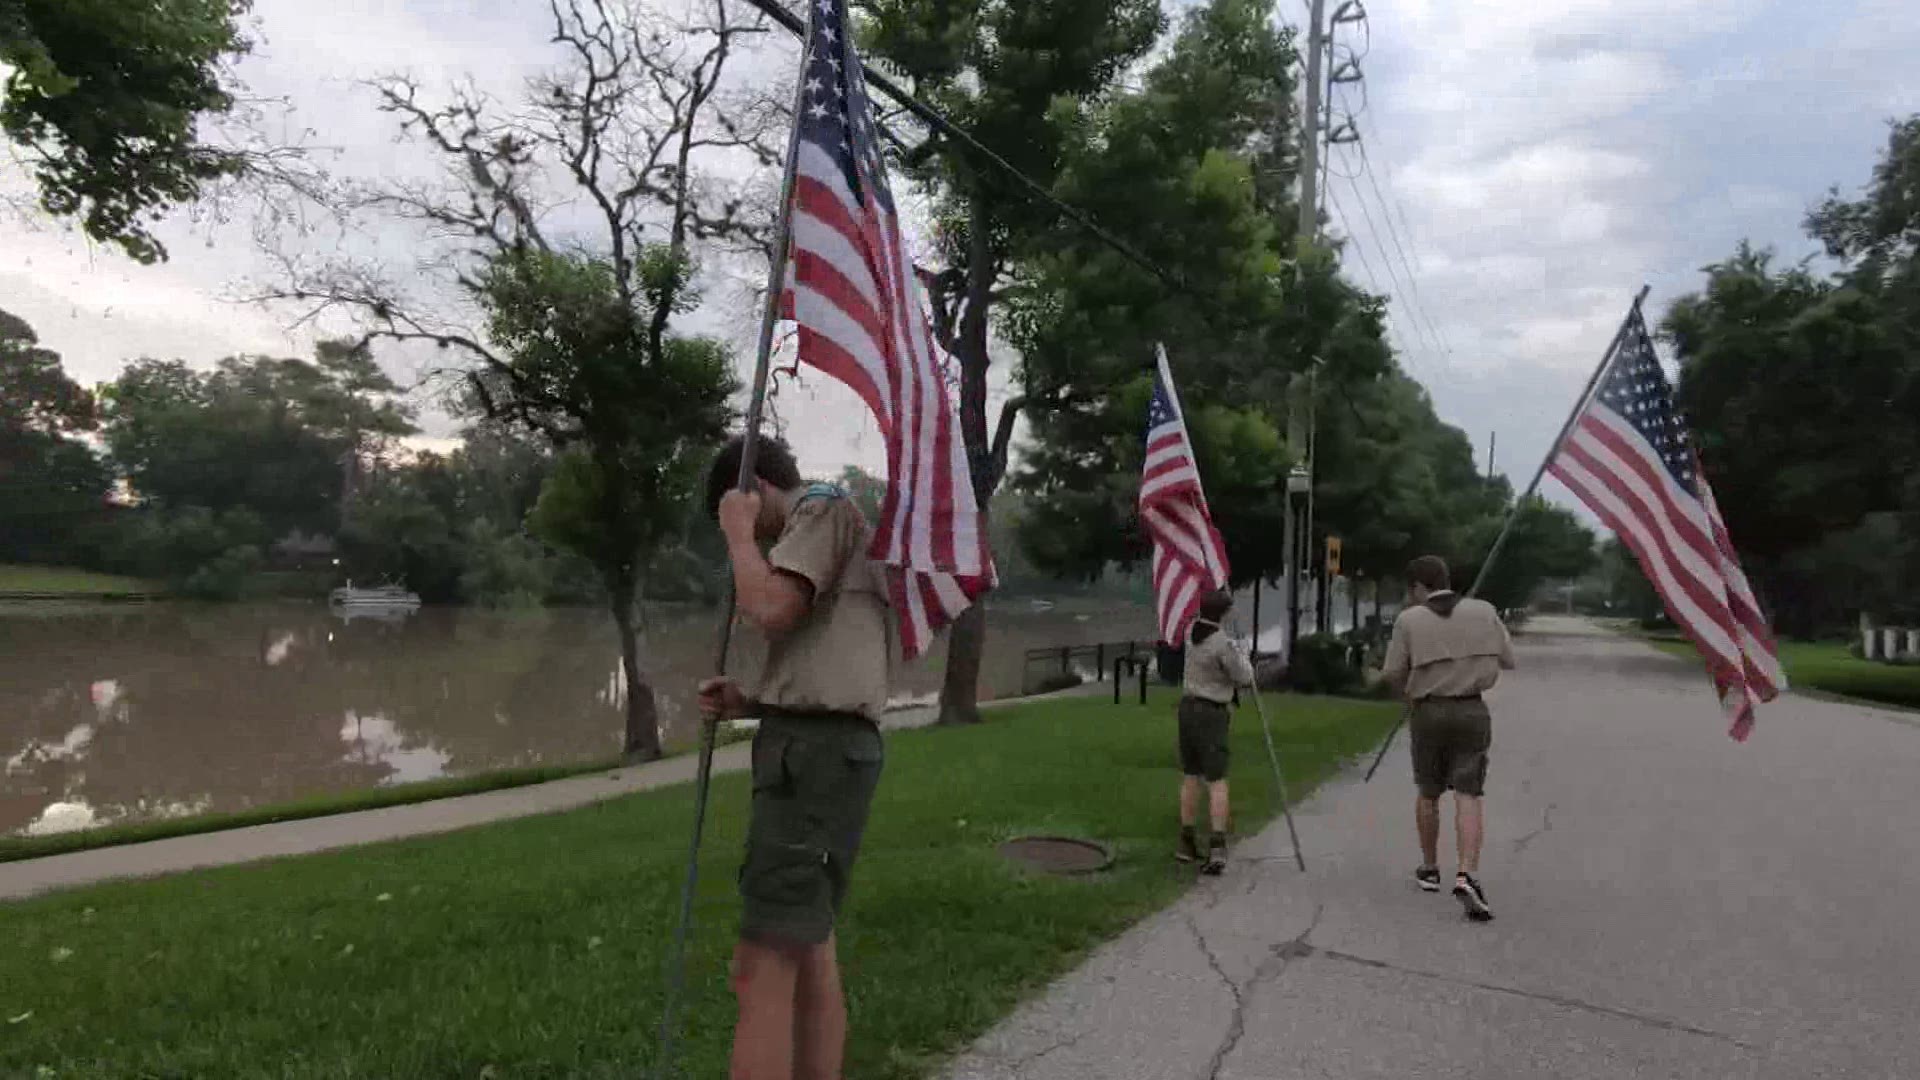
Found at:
[1215, 670]
[1446, 651]
[816, 757]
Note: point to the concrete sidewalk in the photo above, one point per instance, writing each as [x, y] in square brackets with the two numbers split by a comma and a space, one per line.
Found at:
[1670, 904]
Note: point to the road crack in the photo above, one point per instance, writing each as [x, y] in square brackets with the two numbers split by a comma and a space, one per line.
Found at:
[1575, 1004]
[1546, 826]
[1269, 969]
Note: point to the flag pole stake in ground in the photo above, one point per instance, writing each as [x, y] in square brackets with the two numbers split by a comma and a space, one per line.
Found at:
[703, 776]
[1506, 528]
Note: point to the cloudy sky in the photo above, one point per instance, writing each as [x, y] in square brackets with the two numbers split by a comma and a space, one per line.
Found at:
[1527, 166]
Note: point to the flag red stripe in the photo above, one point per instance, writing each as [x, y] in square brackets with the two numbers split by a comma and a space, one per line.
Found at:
[1718, 664]
[1663, 530]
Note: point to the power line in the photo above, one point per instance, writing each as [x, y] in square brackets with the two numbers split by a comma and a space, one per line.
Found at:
[1401, 292]
[1366, 167]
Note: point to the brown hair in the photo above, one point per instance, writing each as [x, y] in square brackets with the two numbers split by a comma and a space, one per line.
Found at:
[1430, 571]
[1215, 605]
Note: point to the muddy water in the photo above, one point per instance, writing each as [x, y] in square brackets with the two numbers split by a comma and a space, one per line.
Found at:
[141, 713]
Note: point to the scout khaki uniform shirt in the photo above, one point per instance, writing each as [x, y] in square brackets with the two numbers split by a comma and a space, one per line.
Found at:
[836, 659]
[1215, 669]
[1448, 656]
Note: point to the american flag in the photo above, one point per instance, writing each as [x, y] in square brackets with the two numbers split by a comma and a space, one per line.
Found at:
[1630, 459]
[852, 290]
[1189, 558]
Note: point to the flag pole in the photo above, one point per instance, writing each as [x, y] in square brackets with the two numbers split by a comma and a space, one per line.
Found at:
[1513, 514]
[750, 439]
[1279, 781]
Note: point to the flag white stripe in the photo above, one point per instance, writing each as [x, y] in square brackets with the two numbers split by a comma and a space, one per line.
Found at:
[820, 314]
[1694, 561]
[1596, 494]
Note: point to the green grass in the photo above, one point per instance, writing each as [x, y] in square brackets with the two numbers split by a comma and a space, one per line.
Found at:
[63, 579]
[535, 948]
[15, 848]
[1829, 669]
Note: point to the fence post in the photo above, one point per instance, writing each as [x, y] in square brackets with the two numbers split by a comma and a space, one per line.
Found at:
[1117, 661]
[1143, 682]
[1100, 661]
[1066, 659]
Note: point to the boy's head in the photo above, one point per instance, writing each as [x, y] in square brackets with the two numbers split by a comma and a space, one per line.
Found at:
[1427, 575]
[773, 465]
[1215, 605]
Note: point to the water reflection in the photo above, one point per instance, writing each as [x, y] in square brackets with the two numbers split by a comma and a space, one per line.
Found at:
[109, 716]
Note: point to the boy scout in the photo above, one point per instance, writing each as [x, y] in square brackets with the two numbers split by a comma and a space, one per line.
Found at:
[816, 757]
[1214, 670]
[1445, 653]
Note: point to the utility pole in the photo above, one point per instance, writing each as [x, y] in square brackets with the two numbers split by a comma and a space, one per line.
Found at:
[1309, 231]
[1493, 443]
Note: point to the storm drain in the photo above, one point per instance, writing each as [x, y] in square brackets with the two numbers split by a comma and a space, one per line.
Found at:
[1058, 854]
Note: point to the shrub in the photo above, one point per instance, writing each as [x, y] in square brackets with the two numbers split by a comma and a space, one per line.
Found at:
[1322, 664]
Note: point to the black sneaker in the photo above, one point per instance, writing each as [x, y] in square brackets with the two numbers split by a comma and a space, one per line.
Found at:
[1188, 850]
[1473, 898]
[1428, 877]
[1216, 856]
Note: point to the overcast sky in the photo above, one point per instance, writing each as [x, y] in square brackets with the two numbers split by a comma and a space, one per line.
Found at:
[1539, 160]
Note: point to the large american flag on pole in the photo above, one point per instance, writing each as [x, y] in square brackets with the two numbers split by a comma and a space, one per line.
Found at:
[852, 290]
[1630, 459]
[1189, 558]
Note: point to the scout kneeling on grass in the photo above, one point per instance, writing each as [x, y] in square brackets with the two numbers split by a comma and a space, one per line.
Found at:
[816, 758]
[1214, 671]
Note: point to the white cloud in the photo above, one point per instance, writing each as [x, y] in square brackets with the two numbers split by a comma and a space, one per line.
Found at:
[1545, 159]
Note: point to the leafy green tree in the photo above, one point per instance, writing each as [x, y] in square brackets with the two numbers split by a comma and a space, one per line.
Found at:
[52, 485]
[1014, 76]
[1548, 543]
[572, 226]
[287, 439]
[105, 100]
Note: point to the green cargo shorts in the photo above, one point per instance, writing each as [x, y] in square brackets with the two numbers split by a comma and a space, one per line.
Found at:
[813, 783]
[1450, 738]
[1203, 739]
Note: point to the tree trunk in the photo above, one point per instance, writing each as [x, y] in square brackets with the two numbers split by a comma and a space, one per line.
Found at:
[642, 741]
[966, 647]
[967, 638]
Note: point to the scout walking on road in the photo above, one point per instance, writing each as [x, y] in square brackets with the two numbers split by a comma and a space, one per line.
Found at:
[1446, 652]
[1214, 670]
[816, 758]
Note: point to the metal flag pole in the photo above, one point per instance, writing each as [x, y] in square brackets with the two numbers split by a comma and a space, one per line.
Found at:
[1513, 514]
[1279, 781]
[756, 410]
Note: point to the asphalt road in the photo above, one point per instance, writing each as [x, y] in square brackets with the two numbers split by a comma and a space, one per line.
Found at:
[1670, 904]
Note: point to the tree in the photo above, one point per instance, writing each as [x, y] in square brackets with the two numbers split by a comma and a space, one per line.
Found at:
[1800, 393]
[283, 438]
[570, 225]
[1012, 75]
[1198, 162]
[106, 98]
[52, 485]
[1547, 543]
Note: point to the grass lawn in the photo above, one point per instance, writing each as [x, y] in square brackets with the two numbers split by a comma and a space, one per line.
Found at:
[14, 848]
[1829, 669]
[63, 579]
[535, 948]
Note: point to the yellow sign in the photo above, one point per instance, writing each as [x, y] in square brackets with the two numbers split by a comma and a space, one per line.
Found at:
[1333, 556]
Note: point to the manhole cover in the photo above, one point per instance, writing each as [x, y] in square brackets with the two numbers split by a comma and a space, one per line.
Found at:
[1057, 854]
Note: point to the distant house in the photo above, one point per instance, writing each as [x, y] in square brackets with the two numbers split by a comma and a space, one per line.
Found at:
[299, 551]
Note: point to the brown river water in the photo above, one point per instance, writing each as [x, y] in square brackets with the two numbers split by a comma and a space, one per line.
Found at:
[126, 714]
